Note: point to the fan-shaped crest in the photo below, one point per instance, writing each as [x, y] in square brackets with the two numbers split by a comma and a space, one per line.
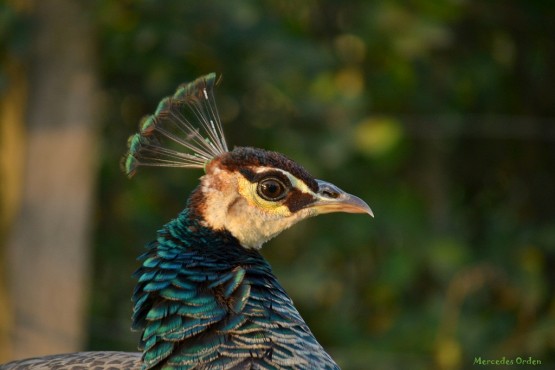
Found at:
[189, 119]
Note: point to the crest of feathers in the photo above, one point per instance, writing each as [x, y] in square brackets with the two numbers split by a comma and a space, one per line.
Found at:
[185, 131]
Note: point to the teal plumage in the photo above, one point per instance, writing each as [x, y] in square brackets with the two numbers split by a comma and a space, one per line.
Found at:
[205, 297]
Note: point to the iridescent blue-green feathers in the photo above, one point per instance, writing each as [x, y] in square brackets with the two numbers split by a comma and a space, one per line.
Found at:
[203, 301]
[188, 121]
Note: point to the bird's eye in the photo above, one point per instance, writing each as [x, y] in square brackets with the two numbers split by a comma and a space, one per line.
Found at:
[271, 189]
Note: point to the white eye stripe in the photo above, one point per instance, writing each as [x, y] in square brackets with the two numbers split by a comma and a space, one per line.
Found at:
[295, 182]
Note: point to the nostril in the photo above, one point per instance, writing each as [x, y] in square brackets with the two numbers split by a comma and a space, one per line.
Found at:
[330, 194]
[330, 191]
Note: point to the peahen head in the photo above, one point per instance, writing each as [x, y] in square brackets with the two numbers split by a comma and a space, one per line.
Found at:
[252, 193]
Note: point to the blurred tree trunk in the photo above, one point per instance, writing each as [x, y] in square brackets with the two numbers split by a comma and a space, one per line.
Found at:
[47, 252]
[12, 107]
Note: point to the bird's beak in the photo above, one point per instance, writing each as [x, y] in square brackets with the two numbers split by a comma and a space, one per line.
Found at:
[332, 199]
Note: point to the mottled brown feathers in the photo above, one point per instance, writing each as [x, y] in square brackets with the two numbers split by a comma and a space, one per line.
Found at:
[80, 361]
[196, 203]
[241, 157]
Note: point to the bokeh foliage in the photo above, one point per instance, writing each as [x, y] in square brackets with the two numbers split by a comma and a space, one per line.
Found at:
[438, 113]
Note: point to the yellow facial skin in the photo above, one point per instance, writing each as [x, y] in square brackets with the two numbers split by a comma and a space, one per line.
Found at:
[248, 190]
[232, 203]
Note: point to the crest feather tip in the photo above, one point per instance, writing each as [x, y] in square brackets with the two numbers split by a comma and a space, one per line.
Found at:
[188, 120]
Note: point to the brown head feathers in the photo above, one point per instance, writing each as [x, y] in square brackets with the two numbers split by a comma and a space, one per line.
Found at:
[244, 157]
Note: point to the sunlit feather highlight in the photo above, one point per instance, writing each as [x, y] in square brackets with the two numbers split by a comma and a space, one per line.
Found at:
[187, 120]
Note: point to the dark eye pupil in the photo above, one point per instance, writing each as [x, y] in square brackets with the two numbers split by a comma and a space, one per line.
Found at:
[271, 189]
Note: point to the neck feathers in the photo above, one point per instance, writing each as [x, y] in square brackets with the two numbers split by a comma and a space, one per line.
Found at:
[202, 299]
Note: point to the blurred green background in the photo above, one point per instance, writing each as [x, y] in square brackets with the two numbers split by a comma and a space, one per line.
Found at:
[440, 114]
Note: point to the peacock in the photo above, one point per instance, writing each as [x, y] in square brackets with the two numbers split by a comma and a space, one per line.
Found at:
[205, 297]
